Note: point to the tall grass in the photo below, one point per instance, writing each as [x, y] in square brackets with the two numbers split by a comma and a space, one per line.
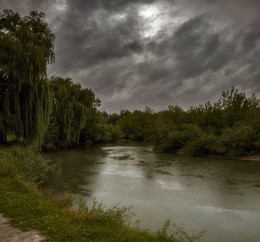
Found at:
[26, 164]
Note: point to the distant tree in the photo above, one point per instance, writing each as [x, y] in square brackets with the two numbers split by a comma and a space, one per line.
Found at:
[138, 125]
[26, 47]
[236, 105]
[72, 106]
[113, 118]
[99, 128]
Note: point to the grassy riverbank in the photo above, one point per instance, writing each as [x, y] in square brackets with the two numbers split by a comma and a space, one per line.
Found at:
[29, 208]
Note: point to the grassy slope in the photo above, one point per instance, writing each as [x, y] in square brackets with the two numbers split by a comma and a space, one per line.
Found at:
[30, 209]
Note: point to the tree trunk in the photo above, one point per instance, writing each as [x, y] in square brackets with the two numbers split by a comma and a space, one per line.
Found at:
[3, 139]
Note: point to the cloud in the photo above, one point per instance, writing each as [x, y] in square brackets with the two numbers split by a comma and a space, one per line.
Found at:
[154, 53]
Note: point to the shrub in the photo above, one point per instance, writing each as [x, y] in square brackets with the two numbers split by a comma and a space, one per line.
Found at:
[215, 145]
[26, 163]
[191, 132]
[171, 143]
[240, 140]
[197, 147]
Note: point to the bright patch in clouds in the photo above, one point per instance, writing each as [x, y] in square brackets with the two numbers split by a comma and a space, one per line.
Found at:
[159, 17]
[153, 18]
[61, 5]
[148, 11]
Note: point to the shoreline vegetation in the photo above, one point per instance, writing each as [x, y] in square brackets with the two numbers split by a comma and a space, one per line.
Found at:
[29, 208]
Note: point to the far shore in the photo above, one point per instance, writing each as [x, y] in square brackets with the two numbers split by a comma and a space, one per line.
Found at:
[255, 157]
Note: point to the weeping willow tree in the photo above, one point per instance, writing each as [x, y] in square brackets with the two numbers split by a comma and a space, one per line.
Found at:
[26, 47]
[71, 108]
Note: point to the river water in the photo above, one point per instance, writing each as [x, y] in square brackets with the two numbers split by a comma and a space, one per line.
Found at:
[221, 196]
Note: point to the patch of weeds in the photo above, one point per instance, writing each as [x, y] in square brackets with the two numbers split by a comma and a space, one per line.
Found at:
[26, 163]
[100, 213]
[171, 232]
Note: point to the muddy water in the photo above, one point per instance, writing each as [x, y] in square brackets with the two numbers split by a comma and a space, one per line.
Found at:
[221, 196]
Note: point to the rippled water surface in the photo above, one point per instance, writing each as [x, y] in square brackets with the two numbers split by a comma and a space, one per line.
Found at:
[221, 196]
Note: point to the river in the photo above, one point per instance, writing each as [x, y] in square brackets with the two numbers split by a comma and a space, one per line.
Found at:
[221, 196]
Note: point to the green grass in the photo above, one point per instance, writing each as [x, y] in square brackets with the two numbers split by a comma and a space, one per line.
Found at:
[29, 208]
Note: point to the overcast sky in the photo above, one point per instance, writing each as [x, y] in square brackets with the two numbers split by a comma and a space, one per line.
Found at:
[137, 53]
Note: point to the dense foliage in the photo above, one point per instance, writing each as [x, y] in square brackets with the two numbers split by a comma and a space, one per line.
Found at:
[230, 126]
[72, 107]
[26, 46]
[33, 109]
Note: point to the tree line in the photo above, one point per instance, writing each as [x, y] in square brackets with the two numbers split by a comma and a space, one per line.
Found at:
[55, 112]
[229, 127]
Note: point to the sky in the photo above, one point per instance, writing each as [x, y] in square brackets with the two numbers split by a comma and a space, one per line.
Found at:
[138, 53]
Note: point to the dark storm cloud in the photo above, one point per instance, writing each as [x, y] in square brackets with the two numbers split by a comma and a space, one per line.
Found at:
[252, 36]
[96, 40]
[112, 5]
[198, 49]
[136, 53]
[193, 49]
[24, 7]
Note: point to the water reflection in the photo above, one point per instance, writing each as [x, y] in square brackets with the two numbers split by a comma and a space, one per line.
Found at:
[222, 196]
[75, 169]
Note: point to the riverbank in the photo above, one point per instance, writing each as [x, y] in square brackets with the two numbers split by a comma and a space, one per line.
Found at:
[245, 158]
[31, 209]
[255, 157]
[58, 222]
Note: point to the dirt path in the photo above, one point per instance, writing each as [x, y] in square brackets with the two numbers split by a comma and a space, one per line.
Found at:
[11, 234]
[252, 157]
[245, 158]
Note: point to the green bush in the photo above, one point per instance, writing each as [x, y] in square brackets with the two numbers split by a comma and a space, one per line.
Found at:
[172, 143]
[215, 145]
[240, 140]
[197, 147]
[205, 144]
[191, 132]
[26, 163]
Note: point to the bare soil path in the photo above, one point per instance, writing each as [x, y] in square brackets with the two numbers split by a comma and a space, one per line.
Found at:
[11, 234]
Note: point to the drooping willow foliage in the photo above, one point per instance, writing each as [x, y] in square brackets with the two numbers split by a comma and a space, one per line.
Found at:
[71, 108]
[26, 47]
